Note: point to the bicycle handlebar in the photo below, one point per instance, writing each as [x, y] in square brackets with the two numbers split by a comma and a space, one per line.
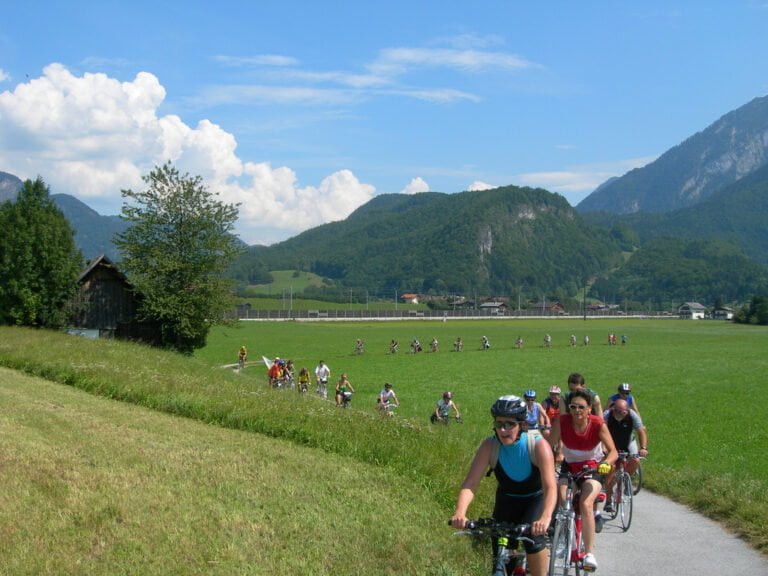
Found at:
[516, 531]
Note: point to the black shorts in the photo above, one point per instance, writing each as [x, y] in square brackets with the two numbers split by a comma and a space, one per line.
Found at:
[521, 510]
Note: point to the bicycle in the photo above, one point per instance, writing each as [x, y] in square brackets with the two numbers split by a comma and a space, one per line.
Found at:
[567, 545]
[509, 538]
[621, 493]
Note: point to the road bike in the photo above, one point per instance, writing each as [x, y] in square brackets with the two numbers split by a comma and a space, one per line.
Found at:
[509, 558]
[621, 493]
[567, 545]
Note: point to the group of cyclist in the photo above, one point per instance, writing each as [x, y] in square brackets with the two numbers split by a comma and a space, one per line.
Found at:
[532, 440]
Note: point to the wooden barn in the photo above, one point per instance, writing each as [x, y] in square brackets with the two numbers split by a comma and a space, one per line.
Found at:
[107, 305]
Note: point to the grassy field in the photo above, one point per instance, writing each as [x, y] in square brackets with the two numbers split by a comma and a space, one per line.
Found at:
[693, 380]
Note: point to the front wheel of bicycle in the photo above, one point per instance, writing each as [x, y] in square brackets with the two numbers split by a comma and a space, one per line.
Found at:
[625, 506]
[560, 550]
[637, 478]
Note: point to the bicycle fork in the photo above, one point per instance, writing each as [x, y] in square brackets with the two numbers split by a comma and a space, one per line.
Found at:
[504, 555]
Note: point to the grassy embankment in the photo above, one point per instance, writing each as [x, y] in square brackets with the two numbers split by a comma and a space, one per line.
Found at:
[692, 380]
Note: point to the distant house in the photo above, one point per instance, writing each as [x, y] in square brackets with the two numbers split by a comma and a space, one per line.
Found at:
[493, 307]
[545, 308]
[107, 305]
[691, 311]
[410, 298]
[723, 313]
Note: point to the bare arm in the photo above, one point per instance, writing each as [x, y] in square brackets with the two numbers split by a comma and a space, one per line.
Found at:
[611, 454]
[467, 491]
[546, 461]
[597, 406]
[642, 438]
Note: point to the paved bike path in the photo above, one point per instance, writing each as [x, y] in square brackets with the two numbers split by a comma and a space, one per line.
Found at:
[667, 538]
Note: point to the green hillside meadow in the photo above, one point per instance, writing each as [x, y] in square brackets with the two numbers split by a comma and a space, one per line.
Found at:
[238, 479]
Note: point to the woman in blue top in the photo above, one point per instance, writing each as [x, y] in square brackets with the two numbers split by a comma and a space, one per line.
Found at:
[526, 492]
[536, 417]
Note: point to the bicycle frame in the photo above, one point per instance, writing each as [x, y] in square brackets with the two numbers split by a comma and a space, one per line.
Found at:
[567, 546]
[508, 538]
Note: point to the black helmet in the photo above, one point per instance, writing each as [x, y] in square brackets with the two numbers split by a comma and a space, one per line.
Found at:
[624, 387]
[510, 406]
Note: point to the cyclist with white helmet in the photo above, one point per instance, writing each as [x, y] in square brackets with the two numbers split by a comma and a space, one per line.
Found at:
[443, 408]
[624, 393]
[526, 490]
[536, 417]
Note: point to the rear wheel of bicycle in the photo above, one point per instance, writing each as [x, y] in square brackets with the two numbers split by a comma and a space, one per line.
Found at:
[637, 478]
[560, 551]
[625, 507]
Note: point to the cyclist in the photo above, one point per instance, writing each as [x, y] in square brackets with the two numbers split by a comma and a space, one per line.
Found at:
[553, 406]
[485, 343]
[241, 356]
[288, 371]
[387, 399]
[434, 345]
[576, 381]
[622, 422]
[624, 393]
[342, 386]
[583, 436]
[359, 346]
[322, 374]
[536, 418]
[275, 373]
[458, 345]
[303, 380]
[526, 492]
[392, 346]
[443, 408]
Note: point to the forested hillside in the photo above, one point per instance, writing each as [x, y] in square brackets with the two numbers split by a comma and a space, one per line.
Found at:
[495, 241]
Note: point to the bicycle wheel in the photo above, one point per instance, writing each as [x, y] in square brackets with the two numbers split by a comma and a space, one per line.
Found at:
[637, 478]
[625, 506]
[560, 550]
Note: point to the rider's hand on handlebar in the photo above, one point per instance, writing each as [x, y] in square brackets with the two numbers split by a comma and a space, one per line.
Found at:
[604, 468]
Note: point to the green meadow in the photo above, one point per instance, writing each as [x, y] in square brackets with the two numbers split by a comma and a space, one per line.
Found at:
[210, 472]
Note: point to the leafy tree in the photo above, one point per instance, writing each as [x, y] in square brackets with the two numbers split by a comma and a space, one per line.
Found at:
[175, 252]
[39, 263]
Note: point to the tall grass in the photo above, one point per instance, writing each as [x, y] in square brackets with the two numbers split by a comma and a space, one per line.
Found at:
[102, 488]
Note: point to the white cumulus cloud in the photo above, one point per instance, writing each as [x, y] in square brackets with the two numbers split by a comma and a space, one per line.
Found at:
[479, 185]
[91, 136]
[415, 186]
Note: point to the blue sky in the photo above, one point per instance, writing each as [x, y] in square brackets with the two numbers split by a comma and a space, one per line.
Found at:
[303, 111]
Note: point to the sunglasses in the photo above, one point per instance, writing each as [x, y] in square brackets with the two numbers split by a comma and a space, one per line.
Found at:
[506, 425]
[577, 406]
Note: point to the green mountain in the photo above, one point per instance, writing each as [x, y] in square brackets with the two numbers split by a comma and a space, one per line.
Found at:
[491, 242]
[93, 232]
[736, 214]
[728, 150]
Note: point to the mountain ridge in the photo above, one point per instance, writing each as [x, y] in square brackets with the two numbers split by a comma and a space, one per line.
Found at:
[727, 150]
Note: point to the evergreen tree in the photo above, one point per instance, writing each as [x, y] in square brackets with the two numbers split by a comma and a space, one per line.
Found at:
[175, 252]
[39, 262]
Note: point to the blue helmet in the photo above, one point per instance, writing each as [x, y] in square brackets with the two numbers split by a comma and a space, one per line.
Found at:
[530, 394]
